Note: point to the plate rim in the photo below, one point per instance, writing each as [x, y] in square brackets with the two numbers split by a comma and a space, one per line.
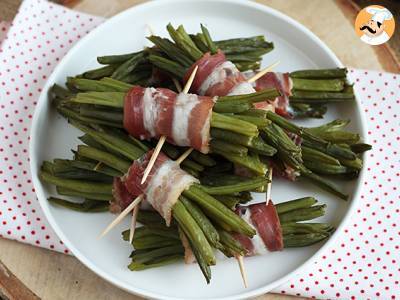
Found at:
[143, 292]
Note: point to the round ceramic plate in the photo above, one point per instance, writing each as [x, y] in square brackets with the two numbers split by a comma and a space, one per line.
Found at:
[295, 48]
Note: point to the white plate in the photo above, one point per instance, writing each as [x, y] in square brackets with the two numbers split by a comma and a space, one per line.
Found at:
[295, 47]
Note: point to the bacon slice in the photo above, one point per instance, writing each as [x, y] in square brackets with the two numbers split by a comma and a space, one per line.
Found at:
[185, 119]
[218, 77]
[282, 82]
[266, 221]
[206, 64]
[163, 186]
[121, 197]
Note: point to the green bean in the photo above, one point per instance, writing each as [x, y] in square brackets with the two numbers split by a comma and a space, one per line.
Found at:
[292, 205]
[320, 97]
[160, 262]
[325, 168]
[102, 85]
[171, 50]
[149, 217]
[228, 200]
[326, 85]
[148, 256]
[255, 97]
[259, 146]
[65, 170]
[201, 219]
[203, 159]
[244, 185]
[104, 157]
[194, 233]
[167, 65]
[331, 149]
[233, 124]
[230, 136]
[85, 165]
[254, 112]
[302, 110]
[192, 165]
[211, 45]
[217, 211]
[302, 214]
[231, 244]
[128, 66]
[190, 171]
[250, 161]
[95, 196]
[145, 231]
[70, 114]
[320, 73]
[299, 228]
[360, 147]
[77, 185]
[101, 114]
[200, 42]
[112, 99]
[86, 206]
[221, 145]
[302, 240]
[228, 108]
[355, 164]
[246, 66]
[291, 127]
[100, 72]
[153, 241]
[201, 261]
[113, 142]
[259, 122]
[335, 125]
[114, 59]
[339, 137]
[60, 92]
[322, 183]
[318, 156]
[141, 78]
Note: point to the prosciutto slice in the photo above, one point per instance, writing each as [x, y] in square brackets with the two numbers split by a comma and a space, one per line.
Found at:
[264, 218]
[283, 83]
[121, 196]
[185, 119]
[266, 221]
[218, 77]
[163, 186]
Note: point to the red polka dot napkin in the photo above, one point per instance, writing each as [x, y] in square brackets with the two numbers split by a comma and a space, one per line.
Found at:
[363, 263]
[37, 39]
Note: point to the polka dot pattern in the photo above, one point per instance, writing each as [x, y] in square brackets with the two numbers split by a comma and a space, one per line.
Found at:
[30, 48]
[364, 262]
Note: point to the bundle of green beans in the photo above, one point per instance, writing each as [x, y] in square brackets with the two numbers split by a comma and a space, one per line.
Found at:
[326, 150]
[156, 245]
[136, 68]
[114, 155]
[92, 106]
[310, 88]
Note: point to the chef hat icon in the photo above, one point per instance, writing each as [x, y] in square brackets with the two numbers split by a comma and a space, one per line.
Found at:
[379, 14]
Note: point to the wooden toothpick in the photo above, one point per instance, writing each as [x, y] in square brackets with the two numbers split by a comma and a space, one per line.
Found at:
[263, 72]
[122, 215]
[239, 259]
[133, 223]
